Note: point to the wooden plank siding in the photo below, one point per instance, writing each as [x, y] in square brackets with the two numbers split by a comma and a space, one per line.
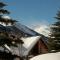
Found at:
[39, 48]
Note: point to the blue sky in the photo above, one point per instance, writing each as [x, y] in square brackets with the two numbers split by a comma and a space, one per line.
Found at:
[33, 12]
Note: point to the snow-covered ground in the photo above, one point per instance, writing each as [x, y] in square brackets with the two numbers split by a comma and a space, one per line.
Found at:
[49, 56]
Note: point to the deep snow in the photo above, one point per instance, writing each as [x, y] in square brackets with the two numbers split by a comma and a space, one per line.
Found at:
[49, 56]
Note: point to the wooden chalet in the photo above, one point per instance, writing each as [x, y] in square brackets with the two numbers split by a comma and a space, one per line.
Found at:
[40, 47]
[33, 46]
[16, 30]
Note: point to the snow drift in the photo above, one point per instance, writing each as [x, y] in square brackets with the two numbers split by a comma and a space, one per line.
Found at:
[49, 56]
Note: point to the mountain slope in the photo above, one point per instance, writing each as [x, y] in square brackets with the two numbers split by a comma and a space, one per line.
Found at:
[45, 30]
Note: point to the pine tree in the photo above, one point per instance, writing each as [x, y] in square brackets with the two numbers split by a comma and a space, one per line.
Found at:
[54, 40]
[5, 40]
[3, 12]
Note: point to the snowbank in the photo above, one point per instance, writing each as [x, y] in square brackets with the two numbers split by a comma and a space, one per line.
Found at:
[49, 56]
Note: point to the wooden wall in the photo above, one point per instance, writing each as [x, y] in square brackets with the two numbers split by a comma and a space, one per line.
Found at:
[39, 48]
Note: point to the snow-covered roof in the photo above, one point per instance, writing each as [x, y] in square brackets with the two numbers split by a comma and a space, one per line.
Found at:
[29, 41]
[49, 56]
[28, 44]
